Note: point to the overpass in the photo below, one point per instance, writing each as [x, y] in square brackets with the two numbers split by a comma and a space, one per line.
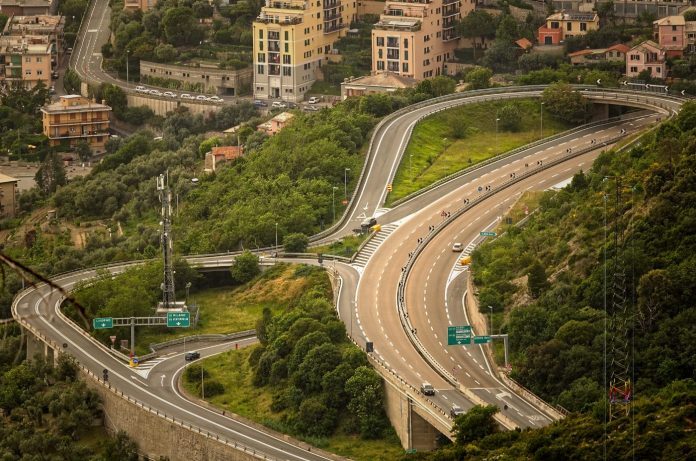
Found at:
[402, 362]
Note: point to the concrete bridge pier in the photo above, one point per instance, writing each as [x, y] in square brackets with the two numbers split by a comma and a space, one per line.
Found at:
[599, 111]
[37, 347]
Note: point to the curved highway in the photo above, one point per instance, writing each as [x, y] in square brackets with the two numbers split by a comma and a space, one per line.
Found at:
[366, 301]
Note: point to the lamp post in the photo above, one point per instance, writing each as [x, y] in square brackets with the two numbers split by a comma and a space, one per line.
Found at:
[541, 120]
[345, 182]
[496, 131]
[410, 165]
[491, 321]
[127, 77]
[333, 202]
[276, 235]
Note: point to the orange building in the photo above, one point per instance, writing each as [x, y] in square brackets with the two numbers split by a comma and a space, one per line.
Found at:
[73, 119]
[26, 60]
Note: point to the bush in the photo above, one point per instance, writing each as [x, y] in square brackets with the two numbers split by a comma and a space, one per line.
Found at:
[211, 388]
[245, 267]
[510, 117]
[295, 243]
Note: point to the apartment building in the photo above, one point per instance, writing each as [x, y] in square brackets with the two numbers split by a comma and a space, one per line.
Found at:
[39, 25]
[75, 118]
[560, 26]
[675, 35]
[646, 56]
[415, 38]
[25, 60]
[292, 39]
[615, 53]
[626, 9]
[8, 196]
[134, 5]
[28, 7]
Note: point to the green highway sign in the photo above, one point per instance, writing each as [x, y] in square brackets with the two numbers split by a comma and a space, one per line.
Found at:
[482, 339]
[459, 335]
[103, 322]
[488, 234]
[178, 319]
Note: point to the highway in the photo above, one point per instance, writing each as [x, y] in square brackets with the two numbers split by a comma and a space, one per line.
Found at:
[367, 300]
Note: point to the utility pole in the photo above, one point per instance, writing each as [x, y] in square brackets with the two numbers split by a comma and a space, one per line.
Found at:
[127, 59]
[165, 196]
[541, 120]
[333, 202]
[345, 182]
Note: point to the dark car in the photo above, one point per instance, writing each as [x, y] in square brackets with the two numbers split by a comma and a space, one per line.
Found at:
[456, 411]
[427, 389]
[368, 222]
[259, 103]
[192, 356]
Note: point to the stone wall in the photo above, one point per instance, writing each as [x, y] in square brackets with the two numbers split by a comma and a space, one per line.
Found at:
[161, 106]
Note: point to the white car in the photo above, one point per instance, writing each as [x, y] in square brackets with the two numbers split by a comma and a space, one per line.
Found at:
[314, 100]
[201, 97]
[169, 94]
[458, 247]
[278, 105]
[215, 99]
[186, 96]
[141, 89]
[155, 92]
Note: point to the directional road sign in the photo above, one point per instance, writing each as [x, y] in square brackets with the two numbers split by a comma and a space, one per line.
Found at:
[458, 335]
[488, 234]
[482, 339]
[103, 322]
[178, 319]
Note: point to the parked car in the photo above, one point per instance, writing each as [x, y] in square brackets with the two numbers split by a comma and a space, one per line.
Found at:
[169, 94]
[192, 356]
[215, 99]
[427, 389]
[456, 410]
[457, 247]
[201, 97]
[186, 96]
[369, 222]
[314, 100]
[259, 103]
[54, 75]
[141, 89]
[155, 92]
[311, 108]
[279, 105]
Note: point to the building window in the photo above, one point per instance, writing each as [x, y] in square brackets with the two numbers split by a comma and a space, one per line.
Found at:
[405, 67]
[674, 39]
[583, 26]
[259, 69]
[405, 43]
[261, 34]
[287, 48]
[674, 28]
[393, 66]
[261, 45]
[380, 41]
[286, 35]
[634, 69]
[406, 55]
[27, 72]
[380, 65]
[39, 72]
[287, 71]
[27, 59]
[38, 59]
[261, 57]
[393, 42]
[287, 59]
[569, 26]
[380, 55]
[554, 25]
[393, 54]
[659, 70]
[273, 69]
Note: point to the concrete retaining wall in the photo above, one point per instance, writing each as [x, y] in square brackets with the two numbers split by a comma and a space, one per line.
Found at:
[163, 106]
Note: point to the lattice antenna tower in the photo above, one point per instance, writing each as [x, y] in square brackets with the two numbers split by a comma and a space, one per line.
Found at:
[620, 317]
[165, 196]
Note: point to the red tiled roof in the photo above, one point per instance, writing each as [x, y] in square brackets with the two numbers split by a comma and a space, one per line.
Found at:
[524, 43]
[228, 152]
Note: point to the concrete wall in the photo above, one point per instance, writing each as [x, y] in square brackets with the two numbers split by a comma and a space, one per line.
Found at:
[163, 106]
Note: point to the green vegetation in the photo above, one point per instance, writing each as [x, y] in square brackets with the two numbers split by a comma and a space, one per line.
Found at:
[46, 412]
[548, 277]
[305, 378]
[457, 138]
[347, 246]
[20, 122]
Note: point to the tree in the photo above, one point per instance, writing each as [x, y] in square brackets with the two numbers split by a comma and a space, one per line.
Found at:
[51, 174]
[690, 15]
[510, 117]
[263, 324]
[180, 27]
[121, 448]
[164, 52]
[567, 104]
[478, 24]
[366, 396]
[71, 81]
[245, 267]
[315, 418]
[295, 243]
[475, 424]
[479, 77]
[377, 104]
[83, 150]
[442, 85]
[536, 279]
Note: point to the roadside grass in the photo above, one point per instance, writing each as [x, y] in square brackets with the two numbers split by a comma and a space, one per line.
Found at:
[323, 87]
[433, 153]
[525, 205]
[347, 246]
[241, 397]
[231, 309]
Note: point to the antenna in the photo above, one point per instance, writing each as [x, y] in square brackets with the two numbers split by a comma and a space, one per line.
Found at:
[165, 196]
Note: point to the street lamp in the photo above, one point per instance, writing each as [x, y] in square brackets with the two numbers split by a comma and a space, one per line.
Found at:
[127, 59]
[496, 131]
[345, 182]
[333, 202]
[491, 325]
[188, 285]
[541, 120]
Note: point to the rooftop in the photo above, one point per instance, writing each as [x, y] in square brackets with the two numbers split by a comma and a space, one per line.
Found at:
[73, 103]
[45, 3]
[385, 79]
[671, 21]
[41, 20]
[573, 16]
[4, 178]
[283, 117]
[228, 152]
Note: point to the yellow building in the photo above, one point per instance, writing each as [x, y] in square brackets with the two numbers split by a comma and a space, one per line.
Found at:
[292, 39]
[73, 119]
[560, 26]
[134, 5]
[8, 196]
[415, 38]
[25, 59]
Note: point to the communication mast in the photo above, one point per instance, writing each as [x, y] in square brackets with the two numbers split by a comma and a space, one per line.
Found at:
[168, 294]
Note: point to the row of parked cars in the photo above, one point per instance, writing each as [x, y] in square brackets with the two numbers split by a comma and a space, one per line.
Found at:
[290, 105]
[170, 94]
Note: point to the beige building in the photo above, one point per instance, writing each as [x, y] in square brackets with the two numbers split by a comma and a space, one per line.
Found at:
[276, 124]
[75, 118]
[48, 26]
[384, 82]
[292, 40]
[8, 196]
[415, 39]
[200, 79]
[28, 7]
[25, 59]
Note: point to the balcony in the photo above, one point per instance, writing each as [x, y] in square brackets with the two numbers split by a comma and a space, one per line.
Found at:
[329, 4]
[283, 22]
[285, 5]
[452, 10]
[68, 135]
[449, 2]
[333, 28]
[331, 16]
[450, 34]
[405, 25]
